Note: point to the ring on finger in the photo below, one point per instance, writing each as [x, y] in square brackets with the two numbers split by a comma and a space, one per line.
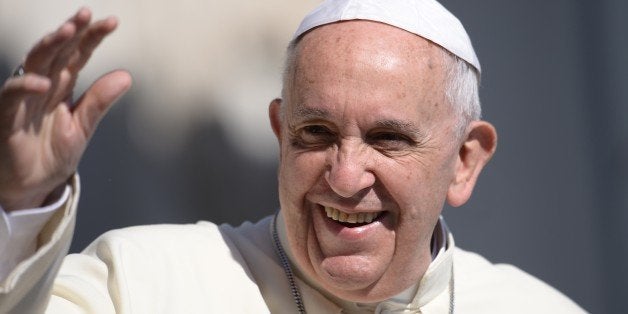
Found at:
[19, 71]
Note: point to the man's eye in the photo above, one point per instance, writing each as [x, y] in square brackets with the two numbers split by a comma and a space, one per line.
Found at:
[313, 136]
[390, 137]
[390, 141]
[316, 130]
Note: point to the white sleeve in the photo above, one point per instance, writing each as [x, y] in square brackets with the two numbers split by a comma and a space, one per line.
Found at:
[19, 230]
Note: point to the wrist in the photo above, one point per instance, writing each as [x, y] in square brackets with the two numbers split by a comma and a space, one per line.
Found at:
[34, 199]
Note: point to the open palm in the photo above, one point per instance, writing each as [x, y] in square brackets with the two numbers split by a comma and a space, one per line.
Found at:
[43, 131]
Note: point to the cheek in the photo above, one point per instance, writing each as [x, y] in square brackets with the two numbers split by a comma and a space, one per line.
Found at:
[418, 186]
[299, 173]
[420, 197]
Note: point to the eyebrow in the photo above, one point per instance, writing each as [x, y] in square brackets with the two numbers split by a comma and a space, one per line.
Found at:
[309, 113]
[394, 124]
[401, 126]
[305, 112]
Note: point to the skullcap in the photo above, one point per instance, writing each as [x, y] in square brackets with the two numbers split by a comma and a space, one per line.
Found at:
[426, 18]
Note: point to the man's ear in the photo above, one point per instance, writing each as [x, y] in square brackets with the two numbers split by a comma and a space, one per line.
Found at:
[274, 114]
[475, 152]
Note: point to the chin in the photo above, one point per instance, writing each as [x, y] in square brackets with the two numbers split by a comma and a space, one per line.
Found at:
[354, 278]
[353, 289]
[349, 272]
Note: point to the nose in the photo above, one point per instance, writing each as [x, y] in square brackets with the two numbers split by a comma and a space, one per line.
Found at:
[349, 170]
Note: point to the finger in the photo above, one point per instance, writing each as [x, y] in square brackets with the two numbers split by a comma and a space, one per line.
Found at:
[13, 92]
[16, 88]
[95, 102]
[40, 57]
[61, 59]
[91, 39]
[45, 51]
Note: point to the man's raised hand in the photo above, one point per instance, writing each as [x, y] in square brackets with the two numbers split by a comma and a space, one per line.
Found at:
[43, 133]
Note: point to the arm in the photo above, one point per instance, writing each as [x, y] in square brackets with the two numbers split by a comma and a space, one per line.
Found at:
[43, 135]
[27, 287]
[19, 232]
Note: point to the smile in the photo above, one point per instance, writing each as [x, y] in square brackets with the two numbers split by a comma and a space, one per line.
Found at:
[343, 217]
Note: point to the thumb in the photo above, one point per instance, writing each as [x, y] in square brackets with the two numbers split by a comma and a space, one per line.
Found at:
[98, 98]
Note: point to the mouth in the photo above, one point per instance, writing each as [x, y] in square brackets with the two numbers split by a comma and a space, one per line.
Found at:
[352, 219]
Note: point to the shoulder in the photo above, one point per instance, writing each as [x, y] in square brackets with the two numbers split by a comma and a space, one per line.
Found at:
[164, 236]
[169, 243]
[503, 288]
[165, 242]
[192, 266]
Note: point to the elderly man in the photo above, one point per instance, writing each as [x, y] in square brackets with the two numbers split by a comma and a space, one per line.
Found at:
[378, 127]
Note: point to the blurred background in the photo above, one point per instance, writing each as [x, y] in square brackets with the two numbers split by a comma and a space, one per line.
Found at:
[191, 140]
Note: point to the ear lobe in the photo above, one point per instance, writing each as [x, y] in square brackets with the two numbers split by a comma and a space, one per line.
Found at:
[474, 154]
[274, 114]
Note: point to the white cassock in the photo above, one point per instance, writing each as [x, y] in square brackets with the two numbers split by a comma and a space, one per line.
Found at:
[205, 268]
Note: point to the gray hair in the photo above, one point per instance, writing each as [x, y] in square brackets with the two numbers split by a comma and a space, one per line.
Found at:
[461, 91]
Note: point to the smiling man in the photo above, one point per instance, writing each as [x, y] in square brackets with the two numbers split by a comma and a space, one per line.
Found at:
[378, 127]
[368, 134]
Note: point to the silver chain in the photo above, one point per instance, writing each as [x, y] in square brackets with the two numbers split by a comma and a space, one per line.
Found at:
[451, 290]
[285, 263]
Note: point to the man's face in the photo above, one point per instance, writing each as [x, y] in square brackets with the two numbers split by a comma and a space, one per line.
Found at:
[366, 138]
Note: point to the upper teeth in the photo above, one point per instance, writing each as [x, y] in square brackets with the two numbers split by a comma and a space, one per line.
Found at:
[351, 218]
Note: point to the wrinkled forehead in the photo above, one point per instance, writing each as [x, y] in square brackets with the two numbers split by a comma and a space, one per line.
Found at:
[425, 18]
[367, 41]
[368, 68]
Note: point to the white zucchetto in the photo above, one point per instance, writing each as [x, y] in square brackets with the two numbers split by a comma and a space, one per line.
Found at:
[426, 18]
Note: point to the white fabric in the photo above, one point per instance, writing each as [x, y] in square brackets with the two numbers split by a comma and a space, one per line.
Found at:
[19, 230]
[426, 18]
[204, 268]
[27, 287]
